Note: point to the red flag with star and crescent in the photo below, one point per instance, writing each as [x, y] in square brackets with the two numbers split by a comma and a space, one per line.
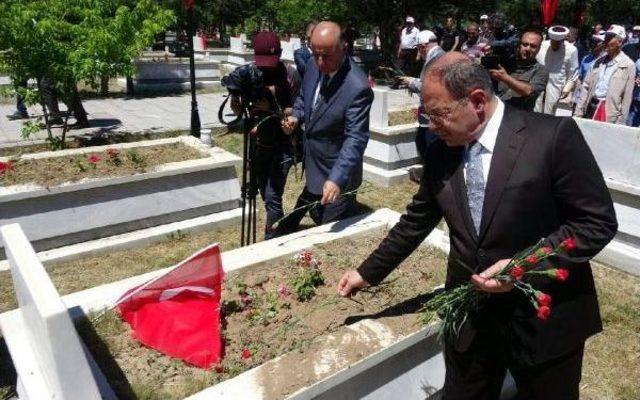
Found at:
[178, 313]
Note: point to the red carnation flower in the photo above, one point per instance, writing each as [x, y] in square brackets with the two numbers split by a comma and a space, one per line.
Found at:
[246, 354]
[5, 166]
[532, 259]
[543, 251]
[283, 290]
[516, 272]
[561, 274]
[245, 299]
[543, 299]
[544, 312]
[113, 153]
[568, 244]
[93, 158]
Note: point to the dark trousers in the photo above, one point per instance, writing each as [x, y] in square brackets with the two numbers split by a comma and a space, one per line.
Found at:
[478, 372]
[74, 105]
[342, 208]
[407, 61]
[50, 98]
[20, 106]
[271, 176]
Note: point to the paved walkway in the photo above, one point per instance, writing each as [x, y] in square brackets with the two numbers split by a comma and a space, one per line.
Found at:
[163, 113]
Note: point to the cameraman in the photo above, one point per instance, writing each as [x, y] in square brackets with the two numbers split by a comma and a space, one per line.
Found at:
[269, 96]
[522, 87]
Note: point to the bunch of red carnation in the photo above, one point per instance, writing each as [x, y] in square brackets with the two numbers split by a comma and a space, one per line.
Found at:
[5, 166]
[453, 306]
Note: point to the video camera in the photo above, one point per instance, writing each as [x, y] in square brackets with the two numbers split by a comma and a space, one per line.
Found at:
[246, 81]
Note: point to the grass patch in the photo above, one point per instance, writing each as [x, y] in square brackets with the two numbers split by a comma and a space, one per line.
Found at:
[611, 367]
[111, 162]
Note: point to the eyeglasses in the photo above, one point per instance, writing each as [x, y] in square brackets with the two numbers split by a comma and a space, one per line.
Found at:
[443, 115]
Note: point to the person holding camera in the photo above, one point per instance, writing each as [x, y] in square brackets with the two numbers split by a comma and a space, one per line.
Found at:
[334, 105]
[522, 87]
[267, 88]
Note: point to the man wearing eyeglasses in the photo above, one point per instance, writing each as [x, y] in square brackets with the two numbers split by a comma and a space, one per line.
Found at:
[522, 87]
[503, 178]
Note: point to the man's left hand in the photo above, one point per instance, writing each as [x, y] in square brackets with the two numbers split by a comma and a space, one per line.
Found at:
[330, 192]
[498, 74]
[486, 283]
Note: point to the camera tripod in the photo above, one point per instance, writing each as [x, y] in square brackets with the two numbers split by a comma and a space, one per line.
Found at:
[249, 185]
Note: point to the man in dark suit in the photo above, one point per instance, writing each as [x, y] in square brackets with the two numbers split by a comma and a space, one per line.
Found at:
[302, 55]
[541, 182]
[334, 104]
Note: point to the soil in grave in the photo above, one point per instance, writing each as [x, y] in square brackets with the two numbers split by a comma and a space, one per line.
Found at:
[270, 323]
[402, 117]
[111, 162]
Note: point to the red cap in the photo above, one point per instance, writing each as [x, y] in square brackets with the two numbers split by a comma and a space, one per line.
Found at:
[266, 49]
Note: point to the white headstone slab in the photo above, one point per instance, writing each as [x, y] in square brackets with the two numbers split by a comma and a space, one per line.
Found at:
[379, 116]
[296, 43]
[236, 44]
[287, 51]
[49, 330]
[198, 43]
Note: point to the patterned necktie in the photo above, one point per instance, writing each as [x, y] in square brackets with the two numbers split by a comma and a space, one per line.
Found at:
[320, 96]
[475, 182]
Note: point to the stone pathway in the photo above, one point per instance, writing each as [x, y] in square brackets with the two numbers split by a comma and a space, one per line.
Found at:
[162, 113]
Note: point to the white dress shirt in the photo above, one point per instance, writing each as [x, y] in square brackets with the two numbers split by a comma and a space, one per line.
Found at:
[409, 38]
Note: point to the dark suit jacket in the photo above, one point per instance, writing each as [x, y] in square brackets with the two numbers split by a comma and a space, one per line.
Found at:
[543, 183]
[300, 57]
[337, 133]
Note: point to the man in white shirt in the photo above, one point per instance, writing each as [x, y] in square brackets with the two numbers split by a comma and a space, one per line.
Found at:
[408, 49]
[561, 60]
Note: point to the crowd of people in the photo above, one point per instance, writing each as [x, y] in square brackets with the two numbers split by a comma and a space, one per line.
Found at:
[552, 71]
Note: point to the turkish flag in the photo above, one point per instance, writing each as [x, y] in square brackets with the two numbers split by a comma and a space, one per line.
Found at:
[549, 11]
[178, 313]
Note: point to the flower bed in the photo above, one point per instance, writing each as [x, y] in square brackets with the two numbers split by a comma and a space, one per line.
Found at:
[265, 318]
[109, 162]
[402, 117]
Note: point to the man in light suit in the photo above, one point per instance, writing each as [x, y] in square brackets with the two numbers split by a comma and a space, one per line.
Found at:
[334, 104]
[429, 51]
[542, 181]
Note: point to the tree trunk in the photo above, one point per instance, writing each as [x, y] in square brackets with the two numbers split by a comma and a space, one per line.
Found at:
[104, 85]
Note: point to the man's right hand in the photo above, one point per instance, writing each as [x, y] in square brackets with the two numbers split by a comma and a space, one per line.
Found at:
[289, 124]
[350, 282]
[405, 80]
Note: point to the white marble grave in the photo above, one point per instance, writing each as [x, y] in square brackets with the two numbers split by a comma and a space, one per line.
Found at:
[48, 356]
[617, 151]
[418, 367]
[75, 212]
[391, 150]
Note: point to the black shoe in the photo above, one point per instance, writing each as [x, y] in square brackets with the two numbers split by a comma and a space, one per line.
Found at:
[80, 125]
[415, 174]
[55, 121]
[18, 115]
